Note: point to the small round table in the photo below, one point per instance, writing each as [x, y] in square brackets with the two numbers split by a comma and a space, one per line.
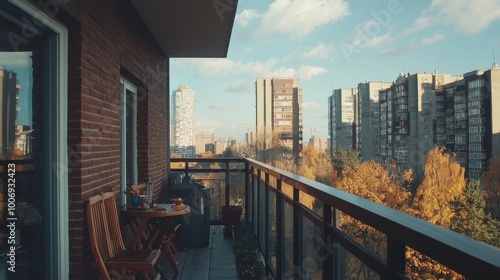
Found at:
[150, 224]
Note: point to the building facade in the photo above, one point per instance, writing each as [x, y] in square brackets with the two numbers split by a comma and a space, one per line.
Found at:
[367, 126]
[342, 118]
[279, 113]
[183, 121]
[97, 105]
[472, 120]
[408, 119]
[202, 139]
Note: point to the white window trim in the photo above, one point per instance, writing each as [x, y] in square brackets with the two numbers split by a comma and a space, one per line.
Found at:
[59, 241]
[123, 137]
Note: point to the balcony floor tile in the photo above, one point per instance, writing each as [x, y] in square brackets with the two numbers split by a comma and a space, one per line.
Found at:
[216, 261]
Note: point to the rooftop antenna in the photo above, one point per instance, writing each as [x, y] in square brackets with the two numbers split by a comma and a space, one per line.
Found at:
[437, 66]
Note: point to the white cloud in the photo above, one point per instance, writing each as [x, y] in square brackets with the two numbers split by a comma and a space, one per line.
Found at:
[299, 18]
[467, 16]
[246, 16]
[220, 67]
[375, 41]
[321, 51]
[306, 72]
[434, 38]
[420, 23]
[209, 126]
[239, 86]
[282, 72]
[256, 68]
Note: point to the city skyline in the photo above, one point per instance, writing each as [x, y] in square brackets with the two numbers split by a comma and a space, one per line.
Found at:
[330, 45]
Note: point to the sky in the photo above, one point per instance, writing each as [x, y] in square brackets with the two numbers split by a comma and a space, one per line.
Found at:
[331, 44]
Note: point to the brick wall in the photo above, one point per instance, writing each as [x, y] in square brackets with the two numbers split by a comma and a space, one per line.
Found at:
[108, 40]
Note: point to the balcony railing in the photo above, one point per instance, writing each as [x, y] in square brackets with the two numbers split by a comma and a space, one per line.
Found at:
[297, 223]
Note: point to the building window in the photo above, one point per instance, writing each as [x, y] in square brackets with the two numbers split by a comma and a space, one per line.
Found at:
[128, 140]
[34, 128]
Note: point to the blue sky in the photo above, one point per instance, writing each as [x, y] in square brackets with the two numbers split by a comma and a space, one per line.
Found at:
[331, 44]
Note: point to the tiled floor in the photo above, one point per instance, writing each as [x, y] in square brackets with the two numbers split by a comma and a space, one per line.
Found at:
[216, 261]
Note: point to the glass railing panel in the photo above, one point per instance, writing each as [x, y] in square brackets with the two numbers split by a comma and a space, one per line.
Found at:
[419, 266]
[287, 190]
[237, 188]
[272, 236]
[273, 182]
[288, 266]
[351, 268]
[217, 193]
[311, 262]
[368, 237]
[311, 203]
[262, 217]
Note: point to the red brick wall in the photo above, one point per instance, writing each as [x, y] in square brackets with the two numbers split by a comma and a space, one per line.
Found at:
[108, 40]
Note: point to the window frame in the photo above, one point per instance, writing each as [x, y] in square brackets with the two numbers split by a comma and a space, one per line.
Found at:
[124, 110]
[57, 135]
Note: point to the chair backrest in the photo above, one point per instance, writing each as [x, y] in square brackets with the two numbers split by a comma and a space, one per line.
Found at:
[116, 245]
[98, 231]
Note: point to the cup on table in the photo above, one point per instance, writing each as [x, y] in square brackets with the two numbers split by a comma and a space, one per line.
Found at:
[146, 201]
[177, 200]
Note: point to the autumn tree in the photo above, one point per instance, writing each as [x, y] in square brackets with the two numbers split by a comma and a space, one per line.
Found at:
[472, 220]
[372, 181]
[491, 187]
[344, 159]
[443, 185]
[444, 182]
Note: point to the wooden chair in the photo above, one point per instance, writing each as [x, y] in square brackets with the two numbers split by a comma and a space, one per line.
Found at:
[107, 243]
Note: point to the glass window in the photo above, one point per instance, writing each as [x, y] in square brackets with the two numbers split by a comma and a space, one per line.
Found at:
[34, 154]
[128, 145]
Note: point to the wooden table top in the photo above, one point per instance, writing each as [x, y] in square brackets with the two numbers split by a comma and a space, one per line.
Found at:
[158, 211]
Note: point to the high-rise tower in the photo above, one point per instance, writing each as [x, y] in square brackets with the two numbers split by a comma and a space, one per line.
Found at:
[279, 113]
[183, 121]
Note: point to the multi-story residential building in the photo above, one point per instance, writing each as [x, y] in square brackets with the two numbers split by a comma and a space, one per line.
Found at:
[367, 127]
[183, 121]
[220, 146]
[472, 124]
[408, 119]
[342, 119]
[9, 95]
[279, 113]
[201, 140]
[231, 141]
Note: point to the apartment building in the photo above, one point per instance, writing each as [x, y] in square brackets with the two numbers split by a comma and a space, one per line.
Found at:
[95, 89]
[279, 113]
[408, 119]
[472, 119]
[342, 118]
[202, 139]
[367, 126]
[183, 120]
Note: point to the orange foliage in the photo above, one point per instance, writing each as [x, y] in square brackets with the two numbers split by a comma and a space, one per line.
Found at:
[444, 183]
[491, 186]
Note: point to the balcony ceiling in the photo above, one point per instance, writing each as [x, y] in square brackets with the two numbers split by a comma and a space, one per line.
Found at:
[189, 28]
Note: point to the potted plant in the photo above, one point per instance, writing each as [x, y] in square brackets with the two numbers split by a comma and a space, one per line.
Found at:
[231, 216]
